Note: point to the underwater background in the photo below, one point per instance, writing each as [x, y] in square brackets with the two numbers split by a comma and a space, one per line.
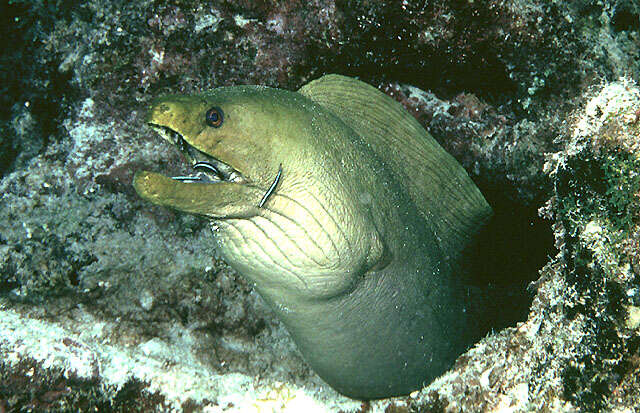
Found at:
[109, 303]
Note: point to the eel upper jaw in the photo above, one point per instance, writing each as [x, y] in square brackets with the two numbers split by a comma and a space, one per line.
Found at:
[206, 169]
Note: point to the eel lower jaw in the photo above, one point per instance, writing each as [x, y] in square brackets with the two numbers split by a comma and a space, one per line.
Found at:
[219, 200]
[206, 169]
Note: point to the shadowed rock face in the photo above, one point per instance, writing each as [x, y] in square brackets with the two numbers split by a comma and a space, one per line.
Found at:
[356, 245]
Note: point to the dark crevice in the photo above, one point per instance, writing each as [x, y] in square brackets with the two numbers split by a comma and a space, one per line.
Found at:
[507, 256]
[453, 48]
[41, 94]
[626, 16]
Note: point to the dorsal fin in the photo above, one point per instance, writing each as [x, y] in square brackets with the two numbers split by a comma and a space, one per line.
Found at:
[441, 189]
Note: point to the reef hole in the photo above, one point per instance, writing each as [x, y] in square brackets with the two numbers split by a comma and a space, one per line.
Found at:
[507, 256]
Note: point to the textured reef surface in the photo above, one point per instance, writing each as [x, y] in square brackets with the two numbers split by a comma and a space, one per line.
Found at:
[109, 303]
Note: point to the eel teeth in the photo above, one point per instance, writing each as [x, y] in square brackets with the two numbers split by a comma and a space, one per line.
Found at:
[187, 178]
[208, 169]
[205, 176]
[170, 135]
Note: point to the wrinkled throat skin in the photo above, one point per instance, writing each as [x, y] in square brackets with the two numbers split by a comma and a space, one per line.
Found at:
[346, 216]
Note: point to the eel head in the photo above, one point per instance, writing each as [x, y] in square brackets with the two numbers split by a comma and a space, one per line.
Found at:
[265, 170]
[232, 159]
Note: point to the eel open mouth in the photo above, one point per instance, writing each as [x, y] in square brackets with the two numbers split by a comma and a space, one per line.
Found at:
[209, 187]
[205, 168]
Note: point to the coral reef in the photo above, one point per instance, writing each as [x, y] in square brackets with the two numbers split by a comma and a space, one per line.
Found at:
[109, 303]
[578, 349]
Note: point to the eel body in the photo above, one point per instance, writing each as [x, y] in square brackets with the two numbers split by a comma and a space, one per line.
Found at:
[343, 212]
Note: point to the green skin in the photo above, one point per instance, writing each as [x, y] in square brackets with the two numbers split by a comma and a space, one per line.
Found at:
[357, 273]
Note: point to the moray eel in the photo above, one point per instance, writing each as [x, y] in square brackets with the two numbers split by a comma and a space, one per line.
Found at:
[345, 215]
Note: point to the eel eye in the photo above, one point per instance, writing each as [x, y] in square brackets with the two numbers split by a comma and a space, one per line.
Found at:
[214, 117]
